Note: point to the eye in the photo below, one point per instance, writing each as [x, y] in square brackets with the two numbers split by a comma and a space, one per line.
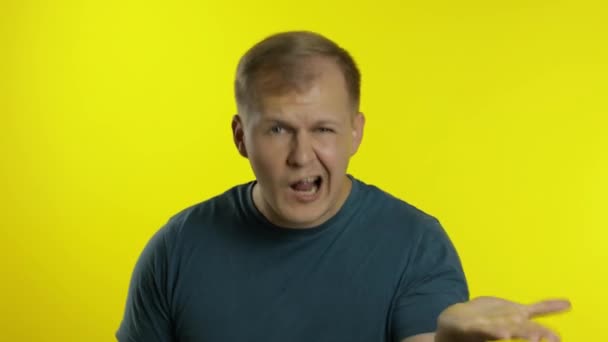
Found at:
[276, 129]
[325, 130]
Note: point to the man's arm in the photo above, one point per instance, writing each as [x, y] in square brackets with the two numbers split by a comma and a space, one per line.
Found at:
[147, 314]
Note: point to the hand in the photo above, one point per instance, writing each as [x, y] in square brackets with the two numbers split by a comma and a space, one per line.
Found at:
[489, 318]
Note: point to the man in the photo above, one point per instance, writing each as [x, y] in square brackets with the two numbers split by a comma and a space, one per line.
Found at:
[307, 252]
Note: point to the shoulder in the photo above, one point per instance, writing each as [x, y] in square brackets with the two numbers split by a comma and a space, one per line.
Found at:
[395, 213]
[206, 215]
[415, 238]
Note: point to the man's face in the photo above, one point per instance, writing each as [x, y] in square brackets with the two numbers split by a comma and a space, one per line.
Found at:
[299, 145]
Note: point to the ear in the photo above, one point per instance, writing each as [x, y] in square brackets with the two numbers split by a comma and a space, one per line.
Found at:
[238, 135]
[358, 125]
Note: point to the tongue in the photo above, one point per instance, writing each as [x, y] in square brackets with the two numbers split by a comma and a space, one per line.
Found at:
[303, 186]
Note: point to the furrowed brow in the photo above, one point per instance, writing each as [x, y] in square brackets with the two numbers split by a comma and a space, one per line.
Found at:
[276, 121]
[326, 122]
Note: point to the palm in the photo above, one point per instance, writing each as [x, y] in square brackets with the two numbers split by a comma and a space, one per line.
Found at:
[490, 318]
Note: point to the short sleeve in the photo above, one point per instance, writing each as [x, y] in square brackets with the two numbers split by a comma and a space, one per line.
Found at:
[433, 280]
[146, 317]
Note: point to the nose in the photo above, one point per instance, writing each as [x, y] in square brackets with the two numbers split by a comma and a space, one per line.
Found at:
[302, 152]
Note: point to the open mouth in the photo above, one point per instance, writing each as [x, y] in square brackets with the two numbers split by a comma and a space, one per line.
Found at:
[307, 186]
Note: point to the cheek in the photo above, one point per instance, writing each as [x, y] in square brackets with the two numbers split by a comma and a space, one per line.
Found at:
[266, 158]
[333, 154]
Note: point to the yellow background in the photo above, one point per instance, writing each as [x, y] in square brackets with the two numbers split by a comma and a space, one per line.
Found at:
[114, 115]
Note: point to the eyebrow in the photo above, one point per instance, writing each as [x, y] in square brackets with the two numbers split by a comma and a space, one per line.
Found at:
[321, 122]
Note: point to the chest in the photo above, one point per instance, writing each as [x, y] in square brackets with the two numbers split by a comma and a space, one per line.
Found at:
[336, 290]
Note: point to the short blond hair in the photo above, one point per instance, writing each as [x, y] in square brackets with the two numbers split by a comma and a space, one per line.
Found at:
[282, 62]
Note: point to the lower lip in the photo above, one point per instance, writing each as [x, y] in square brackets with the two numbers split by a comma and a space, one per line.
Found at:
[306, 198]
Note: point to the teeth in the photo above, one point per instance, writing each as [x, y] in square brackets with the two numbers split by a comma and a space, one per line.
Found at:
[309, 179]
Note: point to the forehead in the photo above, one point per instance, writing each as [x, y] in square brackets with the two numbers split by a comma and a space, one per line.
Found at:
[323, 90]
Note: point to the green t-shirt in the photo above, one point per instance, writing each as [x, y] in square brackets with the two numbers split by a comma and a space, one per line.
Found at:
[219, 271]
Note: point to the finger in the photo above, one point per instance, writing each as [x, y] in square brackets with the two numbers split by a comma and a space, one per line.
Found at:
[548, 307]
[535, 332]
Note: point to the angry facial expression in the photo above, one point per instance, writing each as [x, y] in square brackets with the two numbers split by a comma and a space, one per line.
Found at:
[299, 145]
